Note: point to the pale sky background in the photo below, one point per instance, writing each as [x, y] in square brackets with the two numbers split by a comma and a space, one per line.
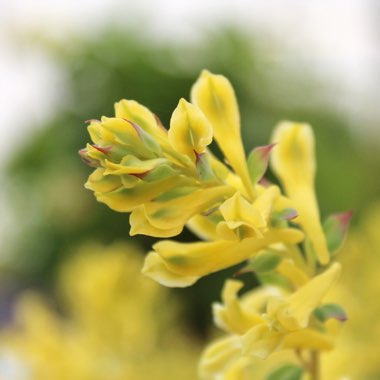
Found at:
[338, 39]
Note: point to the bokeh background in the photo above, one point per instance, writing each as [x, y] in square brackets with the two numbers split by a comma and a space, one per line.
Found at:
[65, 62]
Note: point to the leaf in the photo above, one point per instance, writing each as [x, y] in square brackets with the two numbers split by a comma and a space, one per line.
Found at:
[335, 228]
[287, 372]
[258, 162]
[283, 215]
[265, 262]
[330, 310]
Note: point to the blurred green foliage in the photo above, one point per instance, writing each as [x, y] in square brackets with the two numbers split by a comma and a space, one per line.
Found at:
[46, 176]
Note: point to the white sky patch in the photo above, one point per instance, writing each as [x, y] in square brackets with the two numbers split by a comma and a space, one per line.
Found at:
[338, 40]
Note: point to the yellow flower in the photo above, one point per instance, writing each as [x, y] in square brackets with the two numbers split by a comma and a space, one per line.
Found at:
[112, 325]
[293, 161]
[266, 320]
[169, 179]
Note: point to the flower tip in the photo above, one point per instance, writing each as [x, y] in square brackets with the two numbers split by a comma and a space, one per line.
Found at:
[104, 150]
[92, 121]
[205, 73]
[345, 217]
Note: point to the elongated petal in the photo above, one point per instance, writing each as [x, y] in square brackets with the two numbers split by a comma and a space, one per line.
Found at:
[140, 115]
[141, 226]
[155, 268]
[126, 199]
[293, 273]
[203, 227]
[230, 316]
[214, 95]
[178, 211]
[308, 339]
[202, 258]
[132, 165]
[265, 202]
[260, 341]
[295, 312]
[293, 161]
[237, 208]
[218, 356]
[100, 183]
[189, 131]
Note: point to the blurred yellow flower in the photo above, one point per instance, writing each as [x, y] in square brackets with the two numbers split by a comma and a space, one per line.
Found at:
[113, 325]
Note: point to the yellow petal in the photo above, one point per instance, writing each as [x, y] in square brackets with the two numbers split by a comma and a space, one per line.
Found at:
[141, 226]
[293, 161]
[260, 341]
[214, 95]
[295, 275]
[218, 356]
[265, 201]
[295, 312]
[203, 227]
[308, 339]
[126, 199]
[140, 115]
[132, 165]
[189, 129]
[177, 212]
[237, 208]
[202, 258]
[155, 268]
[100, 183]
[230, 316]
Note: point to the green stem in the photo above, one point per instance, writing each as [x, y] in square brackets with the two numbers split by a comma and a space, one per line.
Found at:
[315, 366]
[312, 366]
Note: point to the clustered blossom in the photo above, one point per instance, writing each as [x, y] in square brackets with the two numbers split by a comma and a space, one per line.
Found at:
[169, 179]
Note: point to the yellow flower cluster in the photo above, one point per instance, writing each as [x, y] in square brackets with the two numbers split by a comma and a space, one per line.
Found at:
[358, 292]
[113, 326]
[168, 179]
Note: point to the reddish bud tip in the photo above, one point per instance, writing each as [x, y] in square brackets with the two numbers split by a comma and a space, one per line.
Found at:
[265, 182]
[345, 218]
[265, 150]
[136, 127]
[159, 123]
[87, 160]
[104, 150]
[140, 175]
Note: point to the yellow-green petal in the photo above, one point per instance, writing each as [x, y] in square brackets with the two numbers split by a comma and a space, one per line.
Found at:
[218, 356]
[295, 311]
[140, 115]
[231, 316]
[155, 268]
[178, 211]
[189, 131]
[141, 226]
[293, 161]
[202, 258]
[214, 95]
[126, 199]
[100, 183]
[261, 341]
[308, 339]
